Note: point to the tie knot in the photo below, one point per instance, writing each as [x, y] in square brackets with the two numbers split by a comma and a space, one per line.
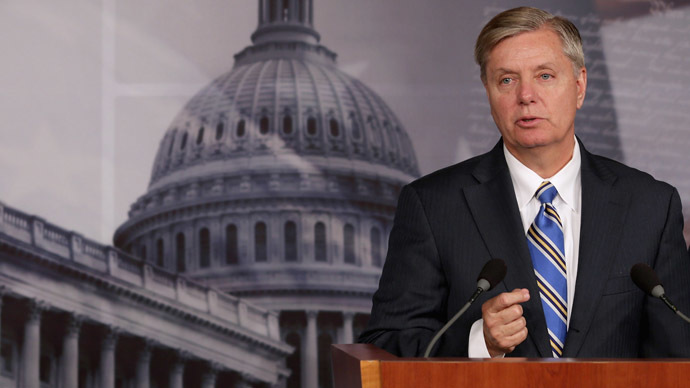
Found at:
[546, 192]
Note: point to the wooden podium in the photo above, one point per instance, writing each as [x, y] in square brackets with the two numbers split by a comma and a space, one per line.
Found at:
[366, 366]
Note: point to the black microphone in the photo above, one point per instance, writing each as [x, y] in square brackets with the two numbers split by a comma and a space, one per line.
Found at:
[491, 274]
[645, 278]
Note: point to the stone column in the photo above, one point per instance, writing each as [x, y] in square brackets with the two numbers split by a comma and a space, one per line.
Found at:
[70, 351]
[177, 370]
[208, 380]
[31, 348]
[310, 361]
[107, 378]
[143, 372]
[348, 336]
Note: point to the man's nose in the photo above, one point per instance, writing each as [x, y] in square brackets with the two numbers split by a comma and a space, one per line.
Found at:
[526, 92]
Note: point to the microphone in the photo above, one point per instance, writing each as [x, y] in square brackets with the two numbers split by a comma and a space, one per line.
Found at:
[491, 274]
[645, 278]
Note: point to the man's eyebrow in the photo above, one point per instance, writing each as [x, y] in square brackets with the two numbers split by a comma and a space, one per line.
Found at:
[503, 70]
[547, 65]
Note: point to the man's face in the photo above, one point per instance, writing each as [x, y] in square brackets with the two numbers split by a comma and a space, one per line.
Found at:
[534, 94]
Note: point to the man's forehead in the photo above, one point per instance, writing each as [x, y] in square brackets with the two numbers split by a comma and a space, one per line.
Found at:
[537, 49]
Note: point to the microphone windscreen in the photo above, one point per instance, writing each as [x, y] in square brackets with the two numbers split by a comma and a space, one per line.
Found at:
[494, 271]
[644, 277]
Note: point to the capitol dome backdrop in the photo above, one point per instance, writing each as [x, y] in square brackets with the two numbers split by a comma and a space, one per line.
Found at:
[278, 183]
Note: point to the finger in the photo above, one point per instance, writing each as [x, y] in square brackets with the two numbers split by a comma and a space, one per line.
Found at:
[506, 299]
[506, 343]
[516, 339]
[509, 329]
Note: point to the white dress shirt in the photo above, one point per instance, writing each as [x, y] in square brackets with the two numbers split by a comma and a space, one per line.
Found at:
[568, 205]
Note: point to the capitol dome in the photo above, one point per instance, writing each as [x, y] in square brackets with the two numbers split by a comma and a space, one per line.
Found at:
[278, 183]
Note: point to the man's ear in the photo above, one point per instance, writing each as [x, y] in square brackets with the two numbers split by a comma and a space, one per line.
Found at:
[581, 83]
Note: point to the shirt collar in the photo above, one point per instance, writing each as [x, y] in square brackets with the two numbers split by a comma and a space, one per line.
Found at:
[566, 180]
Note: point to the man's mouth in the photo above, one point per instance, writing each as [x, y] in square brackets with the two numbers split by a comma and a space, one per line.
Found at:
[527, 120]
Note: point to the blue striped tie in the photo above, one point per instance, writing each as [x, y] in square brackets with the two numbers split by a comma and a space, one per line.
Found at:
[545, 242]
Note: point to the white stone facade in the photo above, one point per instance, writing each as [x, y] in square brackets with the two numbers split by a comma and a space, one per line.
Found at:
[79, 314]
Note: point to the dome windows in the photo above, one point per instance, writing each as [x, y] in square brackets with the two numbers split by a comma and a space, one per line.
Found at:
[312, 128]
[220, 128]
[172, 143]
[240, 129]
[183, 143]
[335, 128]
[204, 248]
[200, 135]
[320, 253]
[287, 125]
[349, 244]
[260, 243]
[231, 247]
[264, 125]
[290, 241]
[160, 253]
[356, 133]
[180, 256]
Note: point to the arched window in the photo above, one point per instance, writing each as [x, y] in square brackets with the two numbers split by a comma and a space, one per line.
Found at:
[183, 143]
[240, 130]
[204, 248]
[311, 126]
[287, 125]
[290, 241]
[294, 361]
[263, 125]
[335, 128]
[200, 135]
[355, 126]
[320, 253]
[159, 253]
[220, 127]
[172, 143]
[180, 256]
[260, 242]
[349, 243]
[231, 251]
[375, 247]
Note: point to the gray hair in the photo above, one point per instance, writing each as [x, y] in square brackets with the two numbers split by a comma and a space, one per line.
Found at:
[525, 19]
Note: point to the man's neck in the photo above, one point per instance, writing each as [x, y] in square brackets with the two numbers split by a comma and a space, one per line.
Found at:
[545, 161]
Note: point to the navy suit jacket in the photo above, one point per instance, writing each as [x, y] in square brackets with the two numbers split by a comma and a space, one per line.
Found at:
[450, 223]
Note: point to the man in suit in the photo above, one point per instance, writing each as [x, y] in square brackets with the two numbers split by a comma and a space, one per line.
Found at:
[567, 292]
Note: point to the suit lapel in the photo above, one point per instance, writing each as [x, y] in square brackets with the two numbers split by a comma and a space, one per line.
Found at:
[603, 218]
[494, 209]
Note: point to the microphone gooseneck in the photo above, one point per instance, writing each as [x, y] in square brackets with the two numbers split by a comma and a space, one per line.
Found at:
[491, 274]
[645, 278]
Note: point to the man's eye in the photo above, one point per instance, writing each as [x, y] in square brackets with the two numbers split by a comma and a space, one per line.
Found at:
[546, 76]
[506, 81]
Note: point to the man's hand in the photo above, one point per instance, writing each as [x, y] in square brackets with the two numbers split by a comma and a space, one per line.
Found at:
[504, 325]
